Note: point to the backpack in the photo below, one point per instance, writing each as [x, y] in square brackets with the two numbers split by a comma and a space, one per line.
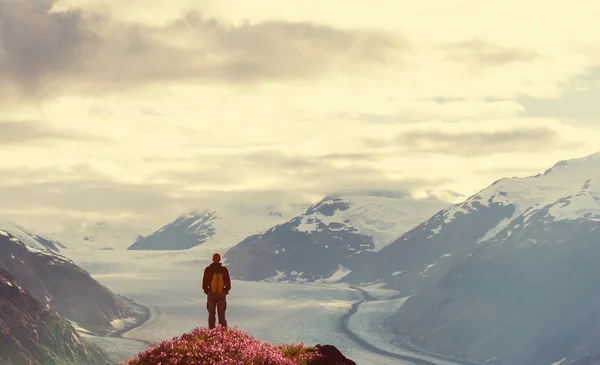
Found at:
[216, 285]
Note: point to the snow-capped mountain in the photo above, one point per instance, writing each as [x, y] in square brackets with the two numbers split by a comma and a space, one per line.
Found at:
[60, 285]
[509, 275]
[569, 190]
[328, 239]
[30, 238]
[219, 228]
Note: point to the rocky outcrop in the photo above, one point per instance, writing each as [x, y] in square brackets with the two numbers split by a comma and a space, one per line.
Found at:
[31, 334]
[330, 355]
[60, 285]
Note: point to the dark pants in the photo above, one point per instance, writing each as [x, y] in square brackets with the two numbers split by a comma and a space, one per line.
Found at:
[216, 303]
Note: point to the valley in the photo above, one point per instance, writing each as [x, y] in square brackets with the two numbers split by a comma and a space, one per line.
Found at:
[388, 280]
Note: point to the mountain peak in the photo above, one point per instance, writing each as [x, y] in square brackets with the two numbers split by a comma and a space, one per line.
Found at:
[579, 163]
[327, 240]
[566, 181]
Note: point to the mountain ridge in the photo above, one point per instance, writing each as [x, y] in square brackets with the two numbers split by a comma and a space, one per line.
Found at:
[61, 285]
[33, 334]
[508, 275]
[220, 228]
[328, 239]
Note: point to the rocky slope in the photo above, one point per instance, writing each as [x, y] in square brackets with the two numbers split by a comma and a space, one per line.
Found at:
[220, 228]
[60, 285]
[31, 334]
[519, 284]
[329, 239]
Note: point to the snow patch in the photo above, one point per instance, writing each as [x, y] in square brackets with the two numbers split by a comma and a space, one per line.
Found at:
[276, 278]
[384, 219]
[499, 227]
[337, 275]
[307, 227]
[122, 323]
[424, 272]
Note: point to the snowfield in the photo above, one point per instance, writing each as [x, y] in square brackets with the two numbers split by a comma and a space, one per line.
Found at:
[169, 284]
[382, 218]
[570, 188]
[222, 227]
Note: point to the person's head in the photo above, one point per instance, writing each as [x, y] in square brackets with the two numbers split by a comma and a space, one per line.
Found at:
[216, 258]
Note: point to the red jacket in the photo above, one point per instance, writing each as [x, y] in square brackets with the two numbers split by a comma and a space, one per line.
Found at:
[216, 267]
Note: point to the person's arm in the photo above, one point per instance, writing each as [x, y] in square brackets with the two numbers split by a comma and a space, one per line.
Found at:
[205, 281]
[227, 282]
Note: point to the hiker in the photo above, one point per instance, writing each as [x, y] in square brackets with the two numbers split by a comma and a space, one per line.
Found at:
[216, 284]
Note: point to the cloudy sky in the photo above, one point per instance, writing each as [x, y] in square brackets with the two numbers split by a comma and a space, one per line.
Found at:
[138, 110]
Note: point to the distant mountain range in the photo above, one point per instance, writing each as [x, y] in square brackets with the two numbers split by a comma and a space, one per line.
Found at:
[508, 276]
[102, 235]
[220, 228]
[73, 234]
[329, 239]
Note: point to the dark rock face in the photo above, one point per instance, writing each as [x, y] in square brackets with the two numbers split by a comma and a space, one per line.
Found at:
[31, 334]
[49, 243]
[60, 285]
[331, 356]
[305, 248]
[184, 233]
[328, 208]
[530, 295]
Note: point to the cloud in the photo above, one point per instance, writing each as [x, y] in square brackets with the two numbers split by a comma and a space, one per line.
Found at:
[446, 110]
[468, 144]
[309, 174]
[88, 196]
[84, 191]
[45, 50]
[578, 100]
[36, 43]
[481, 54]
[14, 133]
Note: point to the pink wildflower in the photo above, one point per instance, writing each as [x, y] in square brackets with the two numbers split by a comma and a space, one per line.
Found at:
[221, 346]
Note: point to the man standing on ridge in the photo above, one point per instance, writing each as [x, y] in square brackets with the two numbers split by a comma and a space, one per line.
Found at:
[216, 284]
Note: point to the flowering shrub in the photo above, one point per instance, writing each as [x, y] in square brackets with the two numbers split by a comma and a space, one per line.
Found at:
[222, 346]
